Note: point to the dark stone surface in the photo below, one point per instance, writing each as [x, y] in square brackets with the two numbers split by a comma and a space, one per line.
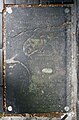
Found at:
[1, 100]
[1, 72]
[37, 1]
[36, 59]
[43, 1]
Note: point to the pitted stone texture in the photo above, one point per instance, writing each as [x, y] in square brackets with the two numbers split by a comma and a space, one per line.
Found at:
[28, 118]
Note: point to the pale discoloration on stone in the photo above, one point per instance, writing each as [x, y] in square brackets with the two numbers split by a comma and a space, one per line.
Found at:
[32, 46]
[47, 70]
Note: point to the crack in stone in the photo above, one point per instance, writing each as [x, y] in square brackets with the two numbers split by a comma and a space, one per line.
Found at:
[20, 33]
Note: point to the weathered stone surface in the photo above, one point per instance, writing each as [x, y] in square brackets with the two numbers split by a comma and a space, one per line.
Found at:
[0, 30]
[1, 71]
[28, 51]
[35, 43]
[28, 118]
[1, 100]
[37, 1]
[10, 1]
